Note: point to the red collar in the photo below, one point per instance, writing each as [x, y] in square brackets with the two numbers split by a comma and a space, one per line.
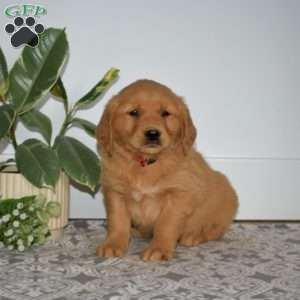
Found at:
[144, 161]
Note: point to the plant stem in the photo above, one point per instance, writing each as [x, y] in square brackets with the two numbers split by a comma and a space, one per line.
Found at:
[64, 126]
[67, 121]
[62, 129]
[13, 137]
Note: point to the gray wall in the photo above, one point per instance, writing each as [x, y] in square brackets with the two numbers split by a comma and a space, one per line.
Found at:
[235, 62]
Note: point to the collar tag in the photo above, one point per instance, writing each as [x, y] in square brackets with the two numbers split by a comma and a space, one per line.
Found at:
[144, 161]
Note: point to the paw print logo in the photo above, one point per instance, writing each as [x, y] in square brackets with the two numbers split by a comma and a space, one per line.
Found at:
[24, 32]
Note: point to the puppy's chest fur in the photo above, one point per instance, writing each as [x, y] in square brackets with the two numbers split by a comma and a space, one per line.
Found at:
[144, 190]
[143, 202]
[142, 186]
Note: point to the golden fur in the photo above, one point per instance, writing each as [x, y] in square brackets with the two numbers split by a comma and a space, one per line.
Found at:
[179, 197]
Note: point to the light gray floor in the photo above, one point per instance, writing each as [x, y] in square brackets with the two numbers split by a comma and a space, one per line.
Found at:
[254, 261]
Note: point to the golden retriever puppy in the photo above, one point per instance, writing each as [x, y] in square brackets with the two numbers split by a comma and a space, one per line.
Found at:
[155, 184]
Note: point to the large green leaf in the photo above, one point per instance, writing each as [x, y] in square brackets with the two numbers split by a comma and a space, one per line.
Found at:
[88, 126]
[59, 91]
[98, 89]
[38, 163]
[34, 119]
[3, 75]
[37, 70]
[7, 117]
[78, 161]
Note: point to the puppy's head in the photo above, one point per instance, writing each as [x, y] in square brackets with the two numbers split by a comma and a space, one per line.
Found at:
[146, 117]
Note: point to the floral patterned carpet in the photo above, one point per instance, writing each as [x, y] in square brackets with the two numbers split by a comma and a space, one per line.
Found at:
[253, 261]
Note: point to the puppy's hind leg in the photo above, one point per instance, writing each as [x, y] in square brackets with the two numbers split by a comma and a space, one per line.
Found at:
[213, 218]
[192, 234]
[195, 236]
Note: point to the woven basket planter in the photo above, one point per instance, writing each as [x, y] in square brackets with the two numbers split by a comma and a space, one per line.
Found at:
[14, 185]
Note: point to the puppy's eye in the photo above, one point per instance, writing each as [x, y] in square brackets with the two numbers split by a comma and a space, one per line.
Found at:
[164, 113]
[134, 113]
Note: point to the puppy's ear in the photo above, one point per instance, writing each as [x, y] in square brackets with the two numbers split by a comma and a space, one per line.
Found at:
[189, 131]
[104, 131]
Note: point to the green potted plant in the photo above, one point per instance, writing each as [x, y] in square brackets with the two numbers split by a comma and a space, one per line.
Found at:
[44, 166]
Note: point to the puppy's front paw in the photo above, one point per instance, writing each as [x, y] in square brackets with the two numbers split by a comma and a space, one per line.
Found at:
[111, 249]
[153, 253]
[190, 240]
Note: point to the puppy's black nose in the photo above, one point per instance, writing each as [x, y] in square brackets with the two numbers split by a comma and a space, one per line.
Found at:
[152, 134]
